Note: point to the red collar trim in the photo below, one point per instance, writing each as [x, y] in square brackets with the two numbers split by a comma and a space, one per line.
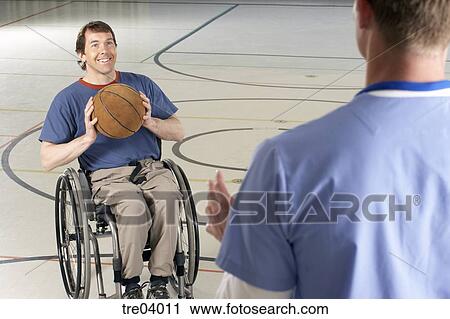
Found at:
[100, 86]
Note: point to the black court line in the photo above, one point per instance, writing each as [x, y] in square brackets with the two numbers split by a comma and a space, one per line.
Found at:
[177, 146]
[266, 55]
[9, 172]
[261, 67]
[157, 54]
[297, 87]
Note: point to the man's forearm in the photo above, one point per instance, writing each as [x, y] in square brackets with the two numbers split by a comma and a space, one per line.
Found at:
[169, 129]
[55, 155]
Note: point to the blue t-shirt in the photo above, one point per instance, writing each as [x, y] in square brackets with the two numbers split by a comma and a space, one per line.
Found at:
[65, 122]
[353, 205]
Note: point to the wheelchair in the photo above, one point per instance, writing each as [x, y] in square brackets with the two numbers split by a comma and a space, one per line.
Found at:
[79, 224]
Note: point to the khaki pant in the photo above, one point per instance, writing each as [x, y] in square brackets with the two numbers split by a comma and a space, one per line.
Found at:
[152, 205]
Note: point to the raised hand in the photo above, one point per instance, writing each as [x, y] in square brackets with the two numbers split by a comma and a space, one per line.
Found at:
[219, 203]
[148, 120]
[91, 132]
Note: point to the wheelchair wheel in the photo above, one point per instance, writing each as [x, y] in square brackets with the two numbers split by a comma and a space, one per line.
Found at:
[188, 231]
[73, 244]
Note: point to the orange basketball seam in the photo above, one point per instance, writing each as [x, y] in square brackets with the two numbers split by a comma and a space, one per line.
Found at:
[134, 91]
[105, 131]
[106, 109]
[129, 88]
[114, 93]
[102, 129]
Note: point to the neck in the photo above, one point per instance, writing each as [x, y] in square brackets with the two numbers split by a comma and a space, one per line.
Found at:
[406, 65]
[100, 78]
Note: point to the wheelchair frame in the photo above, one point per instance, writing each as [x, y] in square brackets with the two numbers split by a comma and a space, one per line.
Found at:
[74, 209]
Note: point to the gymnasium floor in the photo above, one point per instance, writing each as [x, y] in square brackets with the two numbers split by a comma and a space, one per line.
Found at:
[239, 72]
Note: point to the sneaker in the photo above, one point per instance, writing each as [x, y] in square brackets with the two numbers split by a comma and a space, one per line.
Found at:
[133, 293]
[158, 291]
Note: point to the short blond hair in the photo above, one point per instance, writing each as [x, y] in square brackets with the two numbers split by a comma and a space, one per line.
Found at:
[419, 24]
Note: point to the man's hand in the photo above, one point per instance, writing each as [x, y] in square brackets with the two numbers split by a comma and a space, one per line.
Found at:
[91, 132]
[219, 203]
[149, 122]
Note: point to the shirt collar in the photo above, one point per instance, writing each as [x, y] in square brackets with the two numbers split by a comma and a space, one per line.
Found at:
[407, 86]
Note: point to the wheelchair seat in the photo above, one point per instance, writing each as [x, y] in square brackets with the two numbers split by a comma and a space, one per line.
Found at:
[79, 223]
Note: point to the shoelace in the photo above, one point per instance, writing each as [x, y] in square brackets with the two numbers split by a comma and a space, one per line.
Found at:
[132, 293]
[145, 284]
[159, 292]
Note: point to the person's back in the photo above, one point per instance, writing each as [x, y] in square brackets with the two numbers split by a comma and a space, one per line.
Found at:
[356, 202]
[369, 215]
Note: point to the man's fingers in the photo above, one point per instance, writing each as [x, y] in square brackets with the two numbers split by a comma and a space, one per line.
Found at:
[90, 110]
[219, 176]
[144, 97]
[220, 184]
[89, 104]
[210, 188]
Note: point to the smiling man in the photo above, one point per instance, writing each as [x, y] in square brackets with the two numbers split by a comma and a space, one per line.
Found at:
[69, 133]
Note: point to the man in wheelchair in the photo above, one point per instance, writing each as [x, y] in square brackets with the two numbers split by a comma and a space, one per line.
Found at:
[126, 174]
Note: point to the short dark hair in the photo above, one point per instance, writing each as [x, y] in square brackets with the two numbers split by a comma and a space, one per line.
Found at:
[94, 26]
[420, 24]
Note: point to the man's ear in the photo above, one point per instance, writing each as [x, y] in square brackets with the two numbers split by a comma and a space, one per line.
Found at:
[82, 57]
[363, 13]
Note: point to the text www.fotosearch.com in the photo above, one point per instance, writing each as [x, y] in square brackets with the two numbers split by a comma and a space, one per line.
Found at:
[228, 309]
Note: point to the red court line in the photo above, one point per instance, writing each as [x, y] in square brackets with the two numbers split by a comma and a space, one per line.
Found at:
[35, 14]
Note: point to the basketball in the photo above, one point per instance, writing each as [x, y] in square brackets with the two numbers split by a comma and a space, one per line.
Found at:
[119, 110]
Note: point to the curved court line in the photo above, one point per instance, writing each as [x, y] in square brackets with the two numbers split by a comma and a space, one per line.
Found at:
[157, 56]
[176, 148]
[18, 136]
[266, 55]
[9, 172]
[193, 32]
[296, 87]
[303, 87]
[177, 152]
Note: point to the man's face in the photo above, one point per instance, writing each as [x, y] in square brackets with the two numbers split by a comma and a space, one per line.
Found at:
[99, 52]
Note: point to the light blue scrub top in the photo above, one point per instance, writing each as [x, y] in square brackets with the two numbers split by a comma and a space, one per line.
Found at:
[353, 205]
